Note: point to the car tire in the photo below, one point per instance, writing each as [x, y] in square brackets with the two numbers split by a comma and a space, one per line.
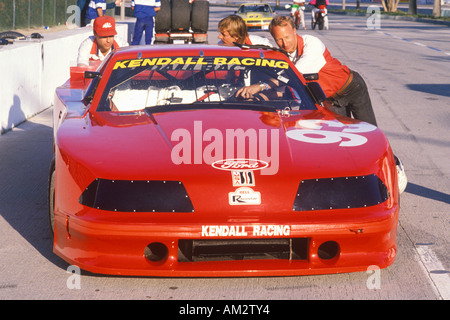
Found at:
[51, 198]
[181, 15]
[200, 16]
[163, 18]
[321, 23]
[297, 21]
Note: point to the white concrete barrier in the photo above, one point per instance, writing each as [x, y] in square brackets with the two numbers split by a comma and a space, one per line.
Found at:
[31, 70]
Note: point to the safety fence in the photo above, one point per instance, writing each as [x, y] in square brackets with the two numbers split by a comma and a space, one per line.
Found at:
[23, 14]
[19, 14]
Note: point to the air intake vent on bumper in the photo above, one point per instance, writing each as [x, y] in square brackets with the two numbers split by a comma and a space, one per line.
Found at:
[340, 193]
[137, 196]
[242, 249]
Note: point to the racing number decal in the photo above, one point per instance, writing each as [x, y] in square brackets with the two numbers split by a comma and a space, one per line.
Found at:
[315, 131]
[325, 137]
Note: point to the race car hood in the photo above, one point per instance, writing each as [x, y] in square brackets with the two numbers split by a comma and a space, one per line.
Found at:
[204, 148]
[255, 15]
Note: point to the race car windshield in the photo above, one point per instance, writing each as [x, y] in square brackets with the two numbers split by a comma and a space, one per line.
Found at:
[196, 82]
[254, 8]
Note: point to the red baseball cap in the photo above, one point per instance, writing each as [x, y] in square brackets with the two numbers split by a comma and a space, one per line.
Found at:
[105, 26]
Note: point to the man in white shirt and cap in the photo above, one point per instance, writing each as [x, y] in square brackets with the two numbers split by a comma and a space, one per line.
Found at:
[99, 45]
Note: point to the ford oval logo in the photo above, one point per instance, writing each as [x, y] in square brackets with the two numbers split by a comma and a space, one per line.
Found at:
[239, 164]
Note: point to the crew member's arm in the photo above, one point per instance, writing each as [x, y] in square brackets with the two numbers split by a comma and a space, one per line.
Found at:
[249, 91]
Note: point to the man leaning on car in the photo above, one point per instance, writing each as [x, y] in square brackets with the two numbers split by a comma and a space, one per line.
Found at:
[233, 29]
[345, 89]
[104, 40]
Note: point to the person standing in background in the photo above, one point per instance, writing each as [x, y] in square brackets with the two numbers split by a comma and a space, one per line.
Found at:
[144, 11]
[83, 5]
[297, 13]
[97, 9]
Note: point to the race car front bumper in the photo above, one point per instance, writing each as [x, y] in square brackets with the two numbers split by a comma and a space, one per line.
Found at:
[183, 249]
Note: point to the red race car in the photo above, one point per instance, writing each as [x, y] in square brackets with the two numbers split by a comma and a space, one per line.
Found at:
[162, 167]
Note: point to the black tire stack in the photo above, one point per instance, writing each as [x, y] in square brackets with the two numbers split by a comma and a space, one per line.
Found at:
[163, 22]
[180, 15]
[200, 16]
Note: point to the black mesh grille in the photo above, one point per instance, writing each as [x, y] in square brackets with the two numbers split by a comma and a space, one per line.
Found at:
[242, 249]
[137, 196]
[340, 193]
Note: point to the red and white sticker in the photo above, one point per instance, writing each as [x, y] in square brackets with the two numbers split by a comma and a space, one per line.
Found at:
[243, 178]
[239, 164]
[244, 196]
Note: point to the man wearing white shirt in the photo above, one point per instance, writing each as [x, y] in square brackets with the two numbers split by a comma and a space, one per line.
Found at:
[104, 40]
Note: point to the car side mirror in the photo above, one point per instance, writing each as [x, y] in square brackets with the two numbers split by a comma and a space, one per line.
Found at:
[91, 74]
[96, 76]
[311, 76]
[316, 92]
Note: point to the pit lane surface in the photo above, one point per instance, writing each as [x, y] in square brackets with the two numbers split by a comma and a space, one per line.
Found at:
[406, 67]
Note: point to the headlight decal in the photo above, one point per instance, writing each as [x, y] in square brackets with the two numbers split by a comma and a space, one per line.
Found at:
[137, 196]
[340, 193]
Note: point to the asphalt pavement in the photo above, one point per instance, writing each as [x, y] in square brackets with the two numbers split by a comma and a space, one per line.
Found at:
[405, 64]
